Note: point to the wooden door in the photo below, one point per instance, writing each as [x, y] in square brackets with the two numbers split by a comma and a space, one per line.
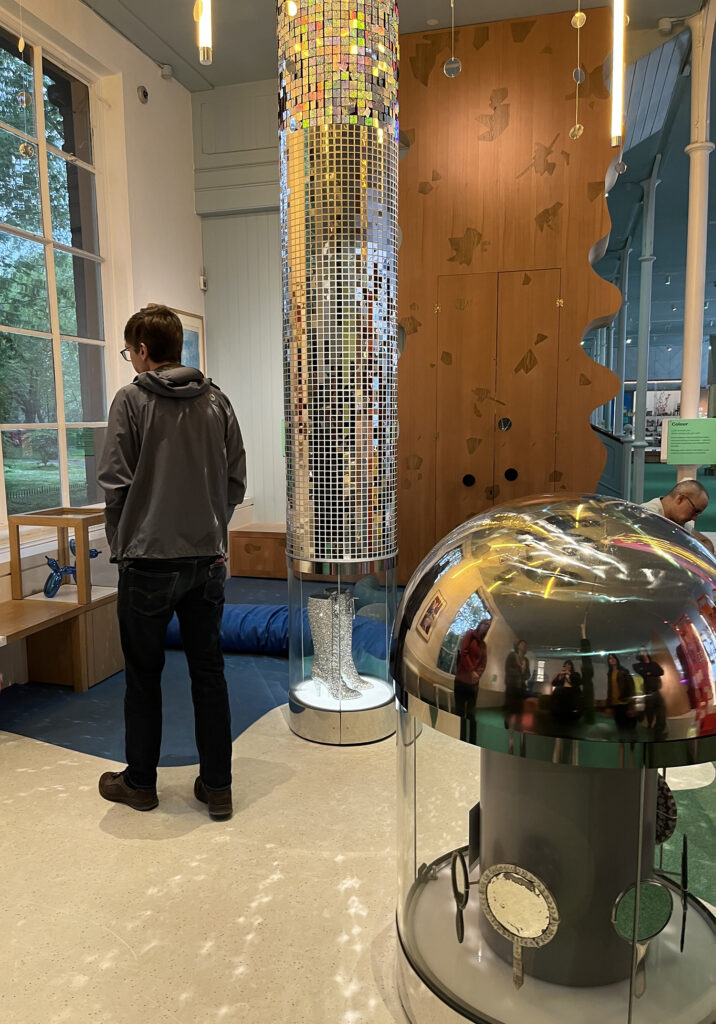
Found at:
[527, 367]
[466, 361]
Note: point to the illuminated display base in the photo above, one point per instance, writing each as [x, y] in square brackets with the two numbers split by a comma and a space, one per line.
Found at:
[315, 715]
[313, 694]
[477, 977]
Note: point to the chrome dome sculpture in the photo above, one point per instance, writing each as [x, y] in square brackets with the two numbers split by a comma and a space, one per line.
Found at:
[572, 638]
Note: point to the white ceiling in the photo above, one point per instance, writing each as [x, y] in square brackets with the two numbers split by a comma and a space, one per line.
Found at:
[245, 50]
[244, 30]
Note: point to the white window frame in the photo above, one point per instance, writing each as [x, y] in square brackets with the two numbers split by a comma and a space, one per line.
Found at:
[96, 107]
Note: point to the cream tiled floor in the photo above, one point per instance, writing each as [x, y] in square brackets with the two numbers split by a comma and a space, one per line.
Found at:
[283, 915]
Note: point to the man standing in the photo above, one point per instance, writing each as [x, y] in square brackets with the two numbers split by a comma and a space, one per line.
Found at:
[683, 505]
[172, 470]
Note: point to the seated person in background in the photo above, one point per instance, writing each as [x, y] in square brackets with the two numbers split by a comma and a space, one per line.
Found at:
[683, 505]
[567, 676]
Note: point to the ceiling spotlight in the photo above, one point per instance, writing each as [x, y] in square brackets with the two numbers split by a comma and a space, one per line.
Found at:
[706, 305]
[673, 309]
[668, 348]
[668, 279]
[432, 22]
[628, 341]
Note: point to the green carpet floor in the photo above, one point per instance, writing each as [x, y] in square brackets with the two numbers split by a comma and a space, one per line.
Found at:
[697, 814]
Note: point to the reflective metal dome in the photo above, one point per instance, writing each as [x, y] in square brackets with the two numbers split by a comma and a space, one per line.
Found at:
[571, 628]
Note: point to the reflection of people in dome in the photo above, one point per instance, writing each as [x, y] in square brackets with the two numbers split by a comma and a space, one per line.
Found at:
[471, 663]
[654, 706]
[587, 675]
[567, 702]
[517, 674]
[620, 690]
[567, 676]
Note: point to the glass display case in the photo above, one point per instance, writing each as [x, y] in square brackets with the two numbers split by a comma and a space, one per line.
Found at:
[555, 662]
[340, 691]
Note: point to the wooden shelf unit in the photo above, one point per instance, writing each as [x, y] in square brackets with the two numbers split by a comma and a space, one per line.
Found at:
[71, 639]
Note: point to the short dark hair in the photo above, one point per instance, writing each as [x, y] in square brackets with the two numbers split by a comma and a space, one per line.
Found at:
[160, 329]
[689, 486]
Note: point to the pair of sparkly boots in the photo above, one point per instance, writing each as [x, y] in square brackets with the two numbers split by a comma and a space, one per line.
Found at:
[330, 617]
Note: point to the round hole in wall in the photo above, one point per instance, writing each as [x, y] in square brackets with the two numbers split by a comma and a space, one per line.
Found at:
[469, 480]
[505, 423]
[511, 474]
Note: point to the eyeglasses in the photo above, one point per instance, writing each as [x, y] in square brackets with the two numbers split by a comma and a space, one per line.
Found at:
[125, 353]
[697, 511]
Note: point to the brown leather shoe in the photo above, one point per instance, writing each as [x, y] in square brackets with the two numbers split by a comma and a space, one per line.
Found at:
[219, 800]
[113, 786]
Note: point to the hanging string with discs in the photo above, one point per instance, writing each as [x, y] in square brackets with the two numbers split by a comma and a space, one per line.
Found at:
[578, 20]
[453, 66]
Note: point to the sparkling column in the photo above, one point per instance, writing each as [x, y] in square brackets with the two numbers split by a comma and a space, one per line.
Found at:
[338, 127]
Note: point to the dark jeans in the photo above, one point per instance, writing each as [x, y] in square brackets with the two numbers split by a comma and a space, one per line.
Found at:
[465, 704]
[150, 591]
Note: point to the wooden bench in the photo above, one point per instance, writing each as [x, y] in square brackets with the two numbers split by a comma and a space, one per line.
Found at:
[259, 550]
[67, 643]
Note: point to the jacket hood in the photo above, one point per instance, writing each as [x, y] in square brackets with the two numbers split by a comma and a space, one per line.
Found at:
[174, 382]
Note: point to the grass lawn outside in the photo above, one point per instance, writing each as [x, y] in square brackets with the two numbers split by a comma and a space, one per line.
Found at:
[30, 486]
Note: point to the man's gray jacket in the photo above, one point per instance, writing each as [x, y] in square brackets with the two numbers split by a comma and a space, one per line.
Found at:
[173, 467]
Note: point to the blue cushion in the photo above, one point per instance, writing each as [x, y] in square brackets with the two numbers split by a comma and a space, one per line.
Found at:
[263, 629]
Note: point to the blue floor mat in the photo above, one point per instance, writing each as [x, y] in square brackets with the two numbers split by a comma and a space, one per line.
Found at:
[93, 722]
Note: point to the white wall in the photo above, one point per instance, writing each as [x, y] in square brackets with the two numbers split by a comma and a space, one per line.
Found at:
[237, 192]
[242, 254]
[150, 234]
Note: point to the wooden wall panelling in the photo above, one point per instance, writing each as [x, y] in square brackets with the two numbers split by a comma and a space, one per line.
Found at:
[527, 354]
[580, 456]
[467, 332]
[417, 296]
[492, 183]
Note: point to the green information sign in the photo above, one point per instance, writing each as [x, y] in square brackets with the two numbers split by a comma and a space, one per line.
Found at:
[691, 442]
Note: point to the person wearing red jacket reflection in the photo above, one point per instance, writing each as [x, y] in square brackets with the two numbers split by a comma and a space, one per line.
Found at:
[471, 663]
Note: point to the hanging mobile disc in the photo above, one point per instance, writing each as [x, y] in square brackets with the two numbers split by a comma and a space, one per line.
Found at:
[453, 66]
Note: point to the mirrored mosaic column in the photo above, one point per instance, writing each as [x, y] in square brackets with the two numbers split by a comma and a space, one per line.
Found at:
[338, 129]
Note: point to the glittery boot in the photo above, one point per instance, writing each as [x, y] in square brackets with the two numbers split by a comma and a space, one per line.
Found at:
[346, 614]
[323, 618]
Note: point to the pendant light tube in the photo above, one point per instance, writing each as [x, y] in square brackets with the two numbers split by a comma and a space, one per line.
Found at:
[618, 72]
[202, 16]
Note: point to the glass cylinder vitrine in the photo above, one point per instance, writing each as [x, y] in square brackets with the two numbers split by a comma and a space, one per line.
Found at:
[341, 615]
[554, 663]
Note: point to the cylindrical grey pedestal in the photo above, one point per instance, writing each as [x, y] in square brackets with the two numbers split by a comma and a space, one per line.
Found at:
[577, 830]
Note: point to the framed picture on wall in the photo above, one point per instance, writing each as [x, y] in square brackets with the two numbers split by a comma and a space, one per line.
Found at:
[194, 351]
[430, 615]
